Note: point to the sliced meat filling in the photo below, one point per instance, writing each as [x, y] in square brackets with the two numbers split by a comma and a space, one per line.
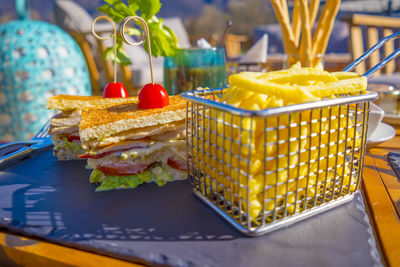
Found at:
[118, 147]
[65, 123]
[172, 151]
[69, 119]
[171, 130]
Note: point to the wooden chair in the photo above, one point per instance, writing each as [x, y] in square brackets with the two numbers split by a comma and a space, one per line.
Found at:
[233, 44]
[366, 29]
[94, 58]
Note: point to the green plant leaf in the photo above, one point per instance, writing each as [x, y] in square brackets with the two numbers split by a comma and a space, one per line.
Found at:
[108, 53]
[133, 6]
[133, 31]
[122, 57]
[163, 40]
[148, 8]
[121, 7]
[111, 12]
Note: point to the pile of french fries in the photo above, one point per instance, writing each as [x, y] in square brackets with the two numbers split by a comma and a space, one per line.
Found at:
[299, 42]
[302, 152]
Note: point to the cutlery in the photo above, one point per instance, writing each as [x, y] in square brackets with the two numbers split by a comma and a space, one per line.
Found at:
[40, 141]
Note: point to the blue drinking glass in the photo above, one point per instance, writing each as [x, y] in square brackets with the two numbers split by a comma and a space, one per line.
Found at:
[193, 68]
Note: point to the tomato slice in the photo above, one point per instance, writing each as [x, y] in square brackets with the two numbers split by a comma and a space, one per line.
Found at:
[123, 169]
[71, 138]
[177, 164]
[89, 156]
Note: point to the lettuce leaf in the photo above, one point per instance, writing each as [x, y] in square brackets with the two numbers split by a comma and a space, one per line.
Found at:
[161, 175]
[76, 148]
[109, 182]
[96, 176]
[158, 174]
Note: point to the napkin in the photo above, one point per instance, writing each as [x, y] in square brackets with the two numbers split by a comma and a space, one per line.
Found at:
[257, 53]
[203, 43]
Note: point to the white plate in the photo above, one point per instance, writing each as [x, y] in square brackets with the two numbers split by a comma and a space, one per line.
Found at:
[382, 133]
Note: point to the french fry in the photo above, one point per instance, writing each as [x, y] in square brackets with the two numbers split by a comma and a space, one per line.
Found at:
[346, 86]
[345, 75]
[296, 66]
[291, 76]
[292, 94]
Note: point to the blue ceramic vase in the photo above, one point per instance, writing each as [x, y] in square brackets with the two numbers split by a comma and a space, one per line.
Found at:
[37, 60]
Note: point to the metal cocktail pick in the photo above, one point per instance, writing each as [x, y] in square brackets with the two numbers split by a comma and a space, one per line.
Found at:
[114, 34]
[121, 32]
[146, 33]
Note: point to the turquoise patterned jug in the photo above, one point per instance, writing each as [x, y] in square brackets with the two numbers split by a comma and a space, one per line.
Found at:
[37, 60]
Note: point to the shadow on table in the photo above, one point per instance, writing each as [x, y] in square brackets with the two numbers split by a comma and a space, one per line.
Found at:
[54, 200]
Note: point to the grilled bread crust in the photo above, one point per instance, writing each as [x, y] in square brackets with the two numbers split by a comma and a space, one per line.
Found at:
[72, 102]
[101, 123]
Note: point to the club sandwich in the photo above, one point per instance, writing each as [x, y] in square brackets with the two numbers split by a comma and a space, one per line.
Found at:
[127, 146]
[64, 126]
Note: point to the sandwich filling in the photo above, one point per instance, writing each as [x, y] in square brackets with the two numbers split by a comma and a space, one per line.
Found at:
[131, 158]
[64, 128]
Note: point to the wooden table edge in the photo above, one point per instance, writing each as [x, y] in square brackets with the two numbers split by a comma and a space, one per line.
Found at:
[24, 251]
[380, 202]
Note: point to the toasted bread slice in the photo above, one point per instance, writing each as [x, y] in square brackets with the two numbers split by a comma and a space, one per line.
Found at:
[72, 102]
[102, 123]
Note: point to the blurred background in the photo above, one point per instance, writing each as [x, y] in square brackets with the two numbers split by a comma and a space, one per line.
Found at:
[207, 18]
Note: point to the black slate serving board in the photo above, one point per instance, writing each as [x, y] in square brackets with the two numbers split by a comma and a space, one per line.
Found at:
[394, 160]
[53, 200]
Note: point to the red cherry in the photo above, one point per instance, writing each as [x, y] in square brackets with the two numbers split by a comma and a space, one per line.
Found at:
[114, 90]
[153, 96]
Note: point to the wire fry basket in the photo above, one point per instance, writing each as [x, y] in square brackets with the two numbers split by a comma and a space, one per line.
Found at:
[262, 170]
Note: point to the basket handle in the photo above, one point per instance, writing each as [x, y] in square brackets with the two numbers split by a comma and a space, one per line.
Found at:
[370, 51]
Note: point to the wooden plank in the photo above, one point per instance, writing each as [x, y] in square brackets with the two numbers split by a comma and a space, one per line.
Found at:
[383, 214]
[391, 145]
[368, 20]
[357, 46]
[30, 252]
[388, 176]
[388, 48]
[233, 44]
[373, 38]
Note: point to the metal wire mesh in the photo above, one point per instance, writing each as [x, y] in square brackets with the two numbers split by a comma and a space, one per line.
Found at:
[263, 170]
